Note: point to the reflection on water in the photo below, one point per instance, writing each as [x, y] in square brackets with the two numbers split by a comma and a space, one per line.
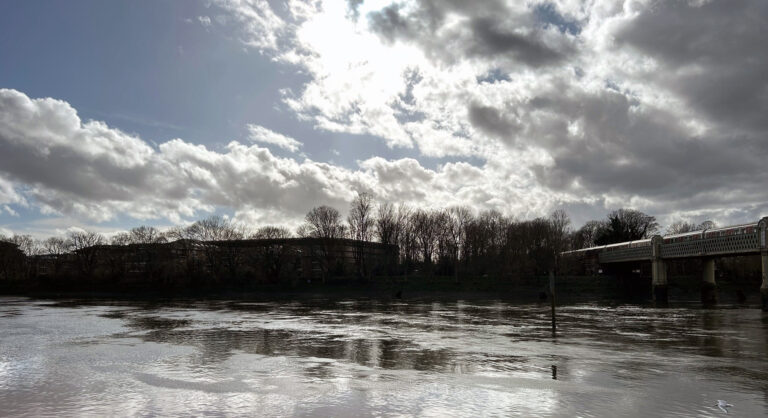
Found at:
[360, 358]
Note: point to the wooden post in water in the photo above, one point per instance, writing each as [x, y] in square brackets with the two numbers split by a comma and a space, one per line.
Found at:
[552, 299]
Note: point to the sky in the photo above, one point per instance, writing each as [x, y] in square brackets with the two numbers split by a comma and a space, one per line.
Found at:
[118, 114]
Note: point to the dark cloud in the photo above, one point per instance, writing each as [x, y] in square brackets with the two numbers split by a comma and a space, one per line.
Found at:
[491, 31]
[625, 149]
[492, 121]
[490, 38]
[713, 55]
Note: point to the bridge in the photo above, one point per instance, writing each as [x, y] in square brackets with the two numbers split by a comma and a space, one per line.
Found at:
[708, 244]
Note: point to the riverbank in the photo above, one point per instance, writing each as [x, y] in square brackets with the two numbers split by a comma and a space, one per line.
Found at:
[569, 289]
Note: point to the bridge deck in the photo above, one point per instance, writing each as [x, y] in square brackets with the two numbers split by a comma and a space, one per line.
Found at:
[732, 240]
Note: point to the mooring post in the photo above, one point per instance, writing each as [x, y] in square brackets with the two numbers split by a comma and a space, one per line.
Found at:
[552, 299]
[658, 271]
[708, 285]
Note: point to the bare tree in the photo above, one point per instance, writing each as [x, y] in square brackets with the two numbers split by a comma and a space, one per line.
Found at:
[360, 219]
[385, 224]
[272, 232]
[560, 223]
[304, 231]
[559, 231]
[26, 244]
[361, 228]
[55, 246]
[146, 235]
[426, 230]
[586, 236]
[121, 238]
[217, 254]
[454, 232]
[681, 227]
[84, 244]
[403, 235]
[324, 222]
[272, 258]
[212, 228]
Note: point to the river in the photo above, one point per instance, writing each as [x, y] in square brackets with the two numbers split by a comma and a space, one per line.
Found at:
[320, 357]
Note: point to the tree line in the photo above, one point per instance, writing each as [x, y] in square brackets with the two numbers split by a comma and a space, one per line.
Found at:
[454, 241]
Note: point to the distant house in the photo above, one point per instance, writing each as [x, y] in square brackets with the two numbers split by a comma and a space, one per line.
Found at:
[238, 261]
[306, 258]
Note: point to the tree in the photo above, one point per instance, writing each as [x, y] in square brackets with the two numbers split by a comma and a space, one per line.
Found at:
[407, 237]
[212, 228]
[84, 244]
[272, 258]
[626, 225]
[386, 224]
[323, 222]
[208, 231]
[586, 236]
[55, 246]
[681, 227]
[361, 226]
[26, 244]
[559, 224]
[146, 235]
[121, 238]
[426, 230]
[360, 217]
[271, 232]
[455, 233]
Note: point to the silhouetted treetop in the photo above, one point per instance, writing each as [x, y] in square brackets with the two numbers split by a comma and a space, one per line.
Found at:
[626, 225]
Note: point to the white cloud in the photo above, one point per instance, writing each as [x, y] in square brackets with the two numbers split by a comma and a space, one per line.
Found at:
[603, 101]
[90, 171]
[205, 21]
[594, 105]
[261, 134]
[263, 27]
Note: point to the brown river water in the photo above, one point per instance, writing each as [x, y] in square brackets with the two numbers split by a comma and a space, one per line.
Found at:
[321, 357]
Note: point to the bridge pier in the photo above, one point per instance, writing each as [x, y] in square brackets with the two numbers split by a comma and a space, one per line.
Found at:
[708, 285]
[659, 280]
[736, 240]
[658, 271]
[764, 285]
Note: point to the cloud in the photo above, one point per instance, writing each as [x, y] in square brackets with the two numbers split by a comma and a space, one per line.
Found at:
[205, 21]
[659, 106]
[70, 169]
[261, 134]
[263, 28]
[525, 106]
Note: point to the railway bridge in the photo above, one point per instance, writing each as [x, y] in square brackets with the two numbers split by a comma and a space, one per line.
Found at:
[708, 244]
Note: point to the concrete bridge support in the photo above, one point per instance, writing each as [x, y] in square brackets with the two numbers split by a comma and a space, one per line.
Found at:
[659, 280]
[762, 228]
[708, 285]
[764, 286]
[658, 271]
